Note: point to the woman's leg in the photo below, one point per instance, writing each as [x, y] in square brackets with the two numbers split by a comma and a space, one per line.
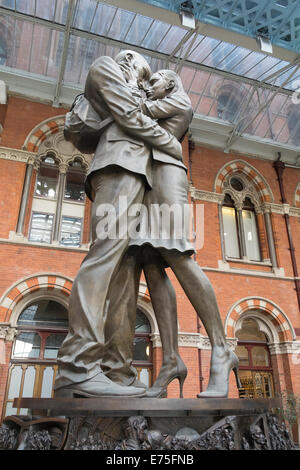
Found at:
[201, 295]
[163, 298]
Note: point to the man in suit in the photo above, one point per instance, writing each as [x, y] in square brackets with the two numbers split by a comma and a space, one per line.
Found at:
[121, 170]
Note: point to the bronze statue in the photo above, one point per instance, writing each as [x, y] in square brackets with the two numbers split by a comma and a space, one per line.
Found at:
[137, 156]
[170, 105]
[121, 168]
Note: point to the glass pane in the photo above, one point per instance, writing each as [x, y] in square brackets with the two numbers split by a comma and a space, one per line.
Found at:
[120, 24]
[142, 324]
[154, 35]
[247, 382]
[144, 375]
[53, 343]
[29, 382]
[230, 232]
[10, 410]
[32, 47]
[46, 391]
[268, 385]
[45, 311]
[27, 344]
[141, 350]
[46, 182]
[15, 382]
[74, 190]
[258, 385]
[242, 353]
[70, 231]
[251, 235]
[138, 29]
[41, 228]
[172, 38]
[260, 356]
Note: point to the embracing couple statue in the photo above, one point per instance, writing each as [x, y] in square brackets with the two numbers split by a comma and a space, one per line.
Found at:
[138, 159]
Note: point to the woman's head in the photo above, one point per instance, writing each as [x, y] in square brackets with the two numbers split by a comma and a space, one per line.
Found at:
[163, 83]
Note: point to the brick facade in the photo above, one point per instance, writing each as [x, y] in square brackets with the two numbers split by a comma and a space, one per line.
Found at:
[240, 287]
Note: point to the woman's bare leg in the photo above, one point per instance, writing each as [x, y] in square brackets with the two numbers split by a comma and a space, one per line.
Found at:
[163, 298]
[201, 295]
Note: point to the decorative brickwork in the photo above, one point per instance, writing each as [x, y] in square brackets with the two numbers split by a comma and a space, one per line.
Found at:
[30, 285]
[267, 308]
[239, 166]
[42, 131]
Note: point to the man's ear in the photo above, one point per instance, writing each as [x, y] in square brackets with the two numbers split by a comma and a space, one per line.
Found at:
[129, 56]
[171, 84]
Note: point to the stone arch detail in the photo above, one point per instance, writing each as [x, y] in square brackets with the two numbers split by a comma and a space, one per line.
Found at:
[42, 131]
[268, 309]
[45, 282]
[297, 196]
[250, 172]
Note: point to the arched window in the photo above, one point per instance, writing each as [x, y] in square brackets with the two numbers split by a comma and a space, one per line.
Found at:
[227, 106]
[42, 326]
[142, 355]
[58, 203]
[255, 361]
[230, 227]
[241, 240]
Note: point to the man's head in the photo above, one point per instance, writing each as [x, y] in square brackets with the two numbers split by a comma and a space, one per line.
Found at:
[136, 63]
[163, 83]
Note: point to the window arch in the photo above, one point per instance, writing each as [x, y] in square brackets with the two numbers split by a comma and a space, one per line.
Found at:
[42, 326]
[239, 220]
[255, 367]
[58, 211]
[58, 205]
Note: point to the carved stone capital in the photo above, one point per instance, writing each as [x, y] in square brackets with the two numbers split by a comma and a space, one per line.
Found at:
[63, 168]
[7, 333]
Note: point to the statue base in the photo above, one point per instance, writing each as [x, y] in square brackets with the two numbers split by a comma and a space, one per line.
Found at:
[145, 424]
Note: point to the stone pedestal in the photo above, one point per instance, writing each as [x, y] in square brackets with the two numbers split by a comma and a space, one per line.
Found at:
[145, 424]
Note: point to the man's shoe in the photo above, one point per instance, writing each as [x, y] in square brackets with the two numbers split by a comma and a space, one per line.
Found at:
[98, 386]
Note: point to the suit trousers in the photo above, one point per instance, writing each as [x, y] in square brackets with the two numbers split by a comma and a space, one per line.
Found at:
[91, 319]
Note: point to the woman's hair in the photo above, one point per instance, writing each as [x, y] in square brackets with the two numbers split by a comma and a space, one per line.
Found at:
[170, 75]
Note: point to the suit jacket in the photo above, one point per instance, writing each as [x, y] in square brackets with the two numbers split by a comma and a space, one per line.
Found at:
[126, 142]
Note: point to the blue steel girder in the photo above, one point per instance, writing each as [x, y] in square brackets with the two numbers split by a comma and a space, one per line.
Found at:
[279, 20]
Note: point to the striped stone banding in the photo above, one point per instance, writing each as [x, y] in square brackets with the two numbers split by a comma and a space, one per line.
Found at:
[31, 285]
[253, 176]
[40, 133]
[267, 309]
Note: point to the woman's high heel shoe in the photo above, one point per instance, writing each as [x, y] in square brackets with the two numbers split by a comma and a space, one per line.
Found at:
[166, 375]
[219, 376]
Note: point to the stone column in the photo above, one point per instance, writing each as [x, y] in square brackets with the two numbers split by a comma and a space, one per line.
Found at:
[262, 236]
[270, 236]
[239, 209]
[63, 168]
[31, 164]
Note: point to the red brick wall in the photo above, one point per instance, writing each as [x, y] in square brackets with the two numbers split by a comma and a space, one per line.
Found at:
[21, 118]
[18, 261]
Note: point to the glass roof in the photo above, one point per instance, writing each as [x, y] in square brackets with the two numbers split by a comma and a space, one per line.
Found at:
[57, 41]
[277, 19]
